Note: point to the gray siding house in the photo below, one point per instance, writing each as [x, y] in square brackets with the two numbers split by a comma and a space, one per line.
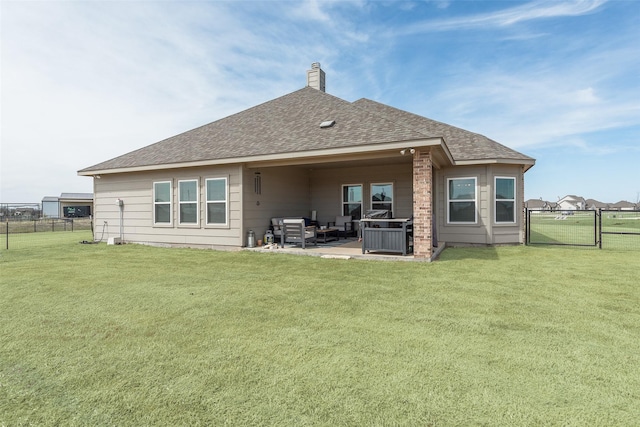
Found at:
[311, 151]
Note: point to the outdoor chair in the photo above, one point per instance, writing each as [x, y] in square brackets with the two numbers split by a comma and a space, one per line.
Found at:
[344, 224]
[294, 231]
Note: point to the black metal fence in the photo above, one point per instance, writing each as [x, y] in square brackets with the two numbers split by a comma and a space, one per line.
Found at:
[619, 229]
[606, 229]
[21, 232]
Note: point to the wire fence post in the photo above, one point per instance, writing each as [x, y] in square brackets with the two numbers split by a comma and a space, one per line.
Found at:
[599, 228]
[7, 234]
[528, 227]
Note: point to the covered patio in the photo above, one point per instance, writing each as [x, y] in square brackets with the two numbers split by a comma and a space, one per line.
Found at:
[394, 178]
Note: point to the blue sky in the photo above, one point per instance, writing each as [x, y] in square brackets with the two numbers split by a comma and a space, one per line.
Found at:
[86, 81]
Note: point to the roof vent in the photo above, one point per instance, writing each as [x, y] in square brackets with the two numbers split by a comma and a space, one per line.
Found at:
[315, 77]
[327, 123]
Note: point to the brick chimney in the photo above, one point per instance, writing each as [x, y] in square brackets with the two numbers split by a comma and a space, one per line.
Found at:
[315, 77]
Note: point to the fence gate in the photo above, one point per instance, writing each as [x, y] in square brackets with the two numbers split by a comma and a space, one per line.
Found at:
[603, 228]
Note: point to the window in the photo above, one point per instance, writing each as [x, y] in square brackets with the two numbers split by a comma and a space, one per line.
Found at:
[352, 200]
[505, 199]
[461, 200]
[188, 202]
[382, 196]
[162, 202]
[217, 201]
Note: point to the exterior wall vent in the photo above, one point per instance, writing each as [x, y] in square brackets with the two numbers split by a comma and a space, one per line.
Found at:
[327, 124]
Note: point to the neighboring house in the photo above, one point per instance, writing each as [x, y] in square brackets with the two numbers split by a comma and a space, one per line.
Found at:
[571, 203]
[311, 151]
[68, 205]
[623, 205]
[538, 204]
[594, 205]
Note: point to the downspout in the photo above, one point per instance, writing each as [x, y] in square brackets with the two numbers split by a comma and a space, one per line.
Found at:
[120, 204]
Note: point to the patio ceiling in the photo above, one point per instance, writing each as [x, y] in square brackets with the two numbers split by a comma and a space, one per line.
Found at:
[389, 154]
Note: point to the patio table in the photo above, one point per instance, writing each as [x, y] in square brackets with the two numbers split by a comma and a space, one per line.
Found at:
[328, 234]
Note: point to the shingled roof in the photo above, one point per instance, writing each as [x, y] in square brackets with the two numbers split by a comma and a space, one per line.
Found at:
[291, 124]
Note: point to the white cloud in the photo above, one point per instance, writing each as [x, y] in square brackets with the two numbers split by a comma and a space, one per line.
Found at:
[581, 89]
[503, 18]
[533, 110]
[586, 96]
[312, 10]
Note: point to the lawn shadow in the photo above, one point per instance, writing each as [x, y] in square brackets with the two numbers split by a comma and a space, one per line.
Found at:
[453, 253]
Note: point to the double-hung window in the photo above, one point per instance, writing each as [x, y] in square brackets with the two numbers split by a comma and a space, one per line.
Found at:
[461, 200]
[216, 193]
[382, 196]
[188, 202]
[505, 199]
[352, 200]
[162, 203]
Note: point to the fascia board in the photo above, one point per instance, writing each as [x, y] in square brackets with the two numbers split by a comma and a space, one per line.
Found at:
[308, 156]
[527, 163]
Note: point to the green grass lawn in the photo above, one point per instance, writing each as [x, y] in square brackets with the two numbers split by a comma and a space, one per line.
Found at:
[136, 335]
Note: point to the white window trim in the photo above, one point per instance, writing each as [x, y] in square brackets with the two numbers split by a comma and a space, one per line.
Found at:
[170, 203]
[393, 198]
[207, 201]
[474, 200]
[495, 200]
[197, 203]
[342, 202]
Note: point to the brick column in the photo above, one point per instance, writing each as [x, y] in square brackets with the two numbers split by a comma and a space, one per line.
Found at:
[422, 203]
